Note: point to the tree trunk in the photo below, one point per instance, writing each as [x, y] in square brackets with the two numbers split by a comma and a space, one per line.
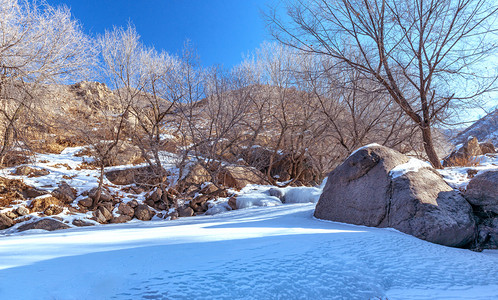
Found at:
[429, 147]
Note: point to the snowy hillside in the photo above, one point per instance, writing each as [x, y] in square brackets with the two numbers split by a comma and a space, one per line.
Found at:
[485, 129]
[260, 253]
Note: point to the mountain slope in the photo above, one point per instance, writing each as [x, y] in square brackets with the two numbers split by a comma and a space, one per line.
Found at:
[485, 129]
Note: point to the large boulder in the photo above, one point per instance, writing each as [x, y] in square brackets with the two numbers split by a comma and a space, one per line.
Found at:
[487, 148]
[482, 191]
[45, 224]
[379, 187]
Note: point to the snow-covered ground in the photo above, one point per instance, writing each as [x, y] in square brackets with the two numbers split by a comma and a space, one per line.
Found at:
[271, 252]
[278, 252]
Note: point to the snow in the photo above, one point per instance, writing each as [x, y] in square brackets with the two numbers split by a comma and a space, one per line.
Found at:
[413, 165]
[364, 147]
[257, 253]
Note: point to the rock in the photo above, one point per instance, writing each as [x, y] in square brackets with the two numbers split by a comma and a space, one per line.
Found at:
[106, 213]
[143, 212]
[141, 175]
[31, 172]
[156, 195]
[126, 210]
[362, 191]
[197, 175]
[133, 204]
[22, 211]
[185, 212]
[232, 202]
[275, 192]
[487, 237]
[482, 191]
[82, 223]
[65, 193]
[86, 202]
[487, 148]
[209, 188]
[53, 210]
[34, 192]
[120, 219]
[104, 194]
[5, 222]
[239, 176]
[470, 149]
[45, 224]
[10, 214]
[41, 204]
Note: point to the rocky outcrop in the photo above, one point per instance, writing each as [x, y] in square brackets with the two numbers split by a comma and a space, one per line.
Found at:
[41, 204]
[363, 191]
[469, 149]
[45, 224]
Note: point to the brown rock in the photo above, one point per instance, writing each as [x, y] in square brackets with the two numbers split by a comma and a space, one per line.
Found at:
[41, 204]
[185, 212]
[82, 223]
[22, 211]
[30, 171]
[470, 149]
[53, 210]
[106, 213]
[10, 214]
[143, 212]
[5, 222]
[104, 195]
[487, 148]
[34, 192]
[45, 224]
[232, 202]
[120, 219]
[133, 203]
[239, 176]
[86, 202]
[126, 210]
[65, 193]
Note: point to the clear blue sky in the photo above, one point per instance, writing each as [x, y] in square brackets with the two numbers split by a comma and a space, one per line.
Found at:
[221, 30]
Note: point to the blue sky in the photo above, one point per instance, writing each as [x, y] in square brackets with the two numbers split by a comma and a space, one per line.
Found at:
[221, 30]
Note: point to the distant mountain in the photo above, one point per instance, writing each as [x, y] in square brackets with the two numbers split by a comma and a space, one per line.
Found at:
[485, 130]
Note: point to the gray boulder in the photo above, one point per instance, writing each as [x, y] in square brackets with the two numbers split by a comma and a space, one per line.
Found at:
[45, 224]
[362, 191]
[482, 191]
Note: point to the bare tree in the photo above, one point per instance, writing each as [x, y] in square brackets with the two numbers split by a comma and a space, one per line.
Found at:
[121, 68]
[39, 44]
[435, 46]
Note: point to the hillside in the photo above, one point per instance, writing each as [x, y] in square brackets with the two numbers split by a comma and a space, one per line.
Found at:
[485, 129]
